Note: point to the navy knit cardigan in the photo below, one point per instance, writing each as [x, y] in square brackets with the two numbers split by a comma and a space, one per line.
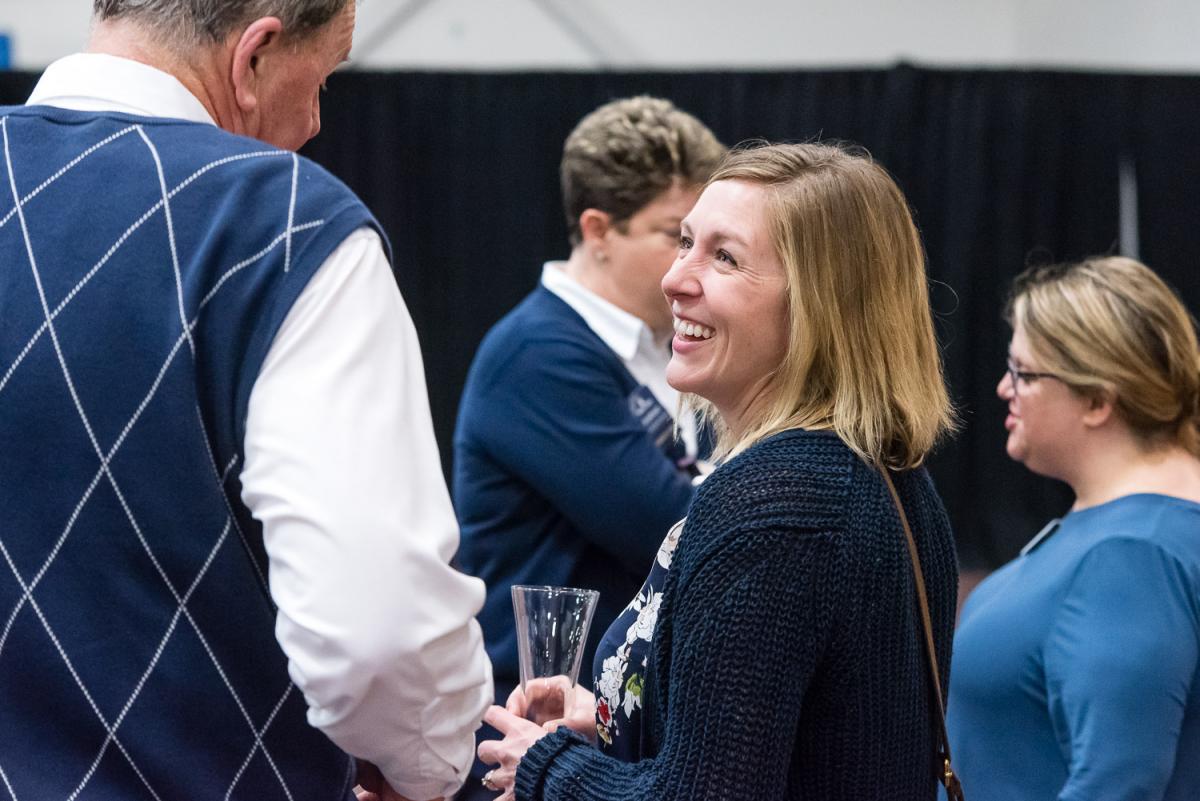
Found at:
[786, 662]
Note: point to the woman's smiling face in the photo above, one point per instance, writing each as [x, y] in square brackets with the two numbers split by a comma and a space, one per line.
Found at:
[728, 295]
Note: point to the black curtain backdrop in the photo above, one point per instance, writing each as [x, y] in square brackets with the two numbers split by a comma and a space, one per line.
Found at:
[1002, 168]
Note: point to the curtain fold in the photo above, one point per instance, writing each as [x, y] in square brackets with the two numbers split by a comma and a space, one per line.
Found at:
[1002, 168]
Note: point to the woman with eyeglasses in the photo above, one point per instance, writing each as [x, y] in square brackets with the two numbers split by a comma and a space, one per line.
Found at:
[1077, 665]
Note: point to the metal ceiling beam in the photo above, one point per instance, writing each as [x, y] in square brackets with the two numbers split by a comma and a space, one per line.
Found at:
[391, 25]
[565, 17]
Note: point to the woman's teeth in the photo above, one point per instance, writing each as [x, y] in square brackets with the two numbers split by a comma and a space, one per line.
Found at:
[692, 329]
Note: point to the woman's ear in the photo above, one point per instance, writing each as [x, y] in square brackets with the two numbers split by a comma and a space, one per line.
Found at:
[594, 225]
[252, 47]
[1101, 407]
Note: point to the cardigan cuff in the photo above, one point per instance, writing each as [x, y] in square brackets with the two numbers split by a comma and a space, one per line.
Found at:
[531, 771]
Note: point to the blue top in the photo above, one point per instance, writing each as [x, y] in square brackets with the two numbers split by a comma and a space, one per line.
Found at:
[145, 272]
[786, 660]
[556, 479]
[1076, 666]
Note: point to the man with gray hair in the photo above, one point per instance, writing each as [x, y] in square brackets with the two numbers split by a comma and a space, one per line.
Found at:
[222, 504]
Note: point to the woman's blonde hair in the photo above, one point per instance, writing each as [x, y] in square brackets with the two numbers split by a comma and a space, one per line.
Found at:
[1110, 326]
[862, 358]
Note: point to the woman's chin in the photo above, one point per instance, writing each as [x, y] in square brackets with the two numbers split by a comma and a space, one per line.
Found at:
[681, 379]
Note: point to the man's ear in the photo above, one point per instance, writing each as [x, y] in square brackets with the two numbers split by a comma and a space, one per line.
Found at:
[255, 42]
[594, 225]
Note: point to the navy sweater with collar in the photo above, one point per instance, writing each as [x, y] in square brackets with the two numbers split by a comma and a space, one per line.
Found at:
[555, 480]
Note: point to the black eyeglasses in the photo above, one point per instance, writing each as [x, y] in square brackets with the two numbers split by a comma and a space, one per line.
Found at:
[1016, 375]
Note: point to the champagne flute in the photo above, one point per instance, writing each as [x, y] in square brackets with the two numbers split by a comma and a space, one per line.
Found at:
[552, 628]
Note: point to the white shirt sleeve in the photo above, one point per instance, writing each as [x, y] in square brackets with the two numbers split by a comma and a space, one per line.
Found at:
[343, 471]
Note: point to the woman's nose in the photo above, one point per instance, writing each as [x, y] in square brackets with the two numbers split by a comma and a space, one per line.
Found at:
[1005, 388]
[680, 279]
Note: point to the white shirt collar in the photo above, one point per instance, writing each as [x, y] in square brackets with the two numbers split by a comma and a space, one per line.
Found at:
[100, 82]
[628, 337]
[623, 332]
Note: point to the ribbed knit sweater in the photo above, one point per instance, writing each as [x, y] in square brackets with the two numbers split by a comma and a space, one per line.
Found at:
[787, 661]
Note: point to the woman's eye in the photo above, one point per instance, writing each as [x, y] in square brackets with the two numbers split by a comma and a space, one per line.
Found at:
[723, 255]
[685, 243]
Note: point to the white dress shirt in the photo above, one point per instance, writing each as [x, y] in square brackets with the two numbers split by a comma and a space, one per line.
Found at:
[342, 470]
[625, 334]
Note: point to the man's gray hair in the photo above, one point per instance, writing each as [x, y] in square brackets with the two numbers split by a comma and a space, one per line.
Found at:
[210, 21]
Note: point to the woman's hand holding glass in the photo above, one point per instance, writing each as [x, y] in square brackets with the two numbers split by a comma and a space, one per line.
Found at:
[520, 733]
[579, 715]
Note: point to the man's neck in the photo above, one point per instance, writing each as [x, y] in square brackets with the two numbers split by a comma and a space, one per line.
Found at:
[203, 72]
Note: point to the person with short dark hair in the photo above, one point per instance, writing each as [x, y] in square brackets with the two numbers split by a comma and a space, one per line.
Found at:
[567, 468]
[226, 536]
[1077, 664]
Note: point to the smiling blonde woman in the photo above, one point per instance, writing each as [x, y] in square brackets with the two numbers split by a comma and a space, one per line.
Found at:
[787, 658]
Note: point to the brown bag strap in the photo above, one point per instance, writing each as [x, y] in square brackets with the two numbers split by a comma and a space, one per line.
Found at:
[948, 779]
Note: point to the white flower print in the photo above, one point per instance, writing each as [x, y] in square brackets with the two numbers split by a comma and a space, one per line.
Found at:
[667, 549]
[611, 679]
[643, 628]
[622, 677]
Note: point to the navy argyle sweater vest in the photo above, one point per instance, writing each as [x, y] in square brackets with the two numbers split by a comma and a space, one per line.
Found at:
[145, 267]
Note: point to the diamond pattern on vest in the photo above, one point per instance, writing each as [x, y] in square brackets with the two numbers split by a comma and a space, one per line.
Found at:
[114, 666]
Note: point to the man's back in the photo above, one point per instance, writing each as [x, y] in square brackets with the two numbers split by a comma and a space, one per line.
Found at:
[148, 266]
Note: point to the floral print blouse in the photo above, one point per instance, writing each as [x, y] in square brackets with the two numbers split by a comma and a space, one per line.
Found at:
[620, 667]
